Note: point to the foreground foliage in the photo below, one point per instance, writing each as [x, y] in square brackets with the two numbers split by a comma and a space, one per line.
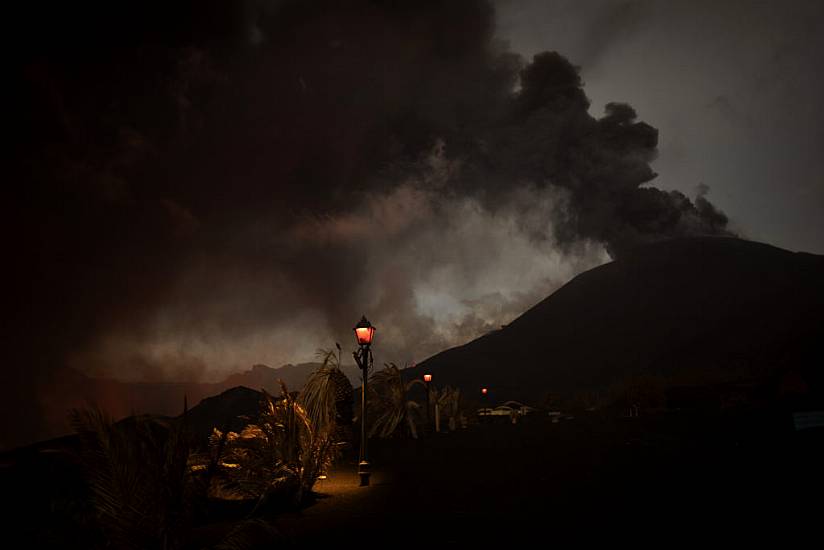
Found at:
[138, 478]
[388, 403]
[448, 401]
[149, 487]
[281, 454]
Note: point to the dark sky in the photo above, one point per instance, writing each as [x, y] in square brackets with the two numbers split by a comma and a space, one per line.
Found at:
[215, 184]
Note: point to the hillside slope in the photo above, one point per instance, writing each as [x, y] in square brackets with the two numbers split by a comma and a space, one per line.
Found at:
[697, 311]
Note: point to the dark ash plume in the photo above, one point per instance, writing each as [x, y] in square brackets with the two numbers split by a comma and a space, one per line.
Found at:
[550, 139]
[209, 185]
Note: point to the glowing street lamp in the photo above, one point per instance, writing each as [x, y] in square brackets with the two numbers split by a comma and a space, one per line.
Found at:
[427, 378]
[484, 393]
[364, 332]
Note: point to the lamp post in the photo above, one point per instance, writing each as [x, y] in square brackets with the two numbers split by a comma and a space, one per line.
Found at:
[484, 393]
[427, 378]
[364, 331]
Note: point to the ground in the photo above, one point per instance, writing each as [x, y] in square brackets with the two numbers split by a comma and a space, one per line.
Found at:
[591, 477]
[597, 477]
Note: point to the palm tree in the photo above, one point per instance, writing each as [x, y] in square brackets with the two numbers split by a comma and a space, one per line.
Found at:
[328, 396]
[138, 478]
[387, 396]
[448, 401]
[282, 451]
[293, 440]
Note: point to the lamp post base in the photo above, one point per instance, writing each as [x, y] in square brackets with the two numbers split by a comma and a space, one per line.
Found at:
[364, 472]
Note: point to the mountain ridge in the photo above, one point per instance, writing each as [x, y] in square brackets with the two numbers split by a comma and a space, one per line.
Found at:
[697, 309]
[73, 389]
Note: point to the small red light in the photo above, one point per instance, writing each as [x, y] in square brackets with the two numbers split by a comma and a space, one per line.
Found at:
[483, 391]
[427, 378]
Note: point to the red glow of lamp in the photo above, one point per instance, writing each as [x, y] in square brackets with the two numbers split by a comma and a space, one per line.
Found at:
[364, 331]
[427, 378]
[484, 391]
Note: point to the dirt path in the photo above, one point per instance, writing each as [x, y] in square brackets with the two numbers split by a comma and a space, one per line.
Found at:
[537, 480]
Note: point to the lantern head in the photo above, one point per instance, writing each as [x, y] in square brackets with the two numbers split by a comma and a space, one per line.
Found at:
[484, 391]
[364, 331]
[427, 378]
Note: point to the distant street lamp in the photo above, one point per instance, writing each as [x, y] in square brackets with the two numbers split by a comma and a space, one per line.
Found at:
[484, 393]
[427, 378]
[364, 332]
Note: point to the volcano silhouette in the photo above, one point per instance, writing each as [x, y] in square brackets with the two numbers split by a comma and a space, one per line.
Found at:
[695, 311]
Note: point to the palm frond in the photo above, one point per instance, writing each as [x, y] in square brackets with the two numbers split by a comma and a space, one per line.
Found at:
[137, 474]
[388, 394]
[318, 398]
[283, 448]
[328, 358]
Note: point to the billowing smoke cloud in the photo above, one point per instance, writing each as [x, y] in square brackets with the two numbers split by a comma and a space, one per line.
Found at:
[435, 268]
[219, 184]
[732, 86]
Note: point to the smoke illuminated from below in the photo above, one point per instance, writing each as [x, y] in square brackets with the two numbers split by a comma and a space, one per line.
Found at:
[440, 270]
